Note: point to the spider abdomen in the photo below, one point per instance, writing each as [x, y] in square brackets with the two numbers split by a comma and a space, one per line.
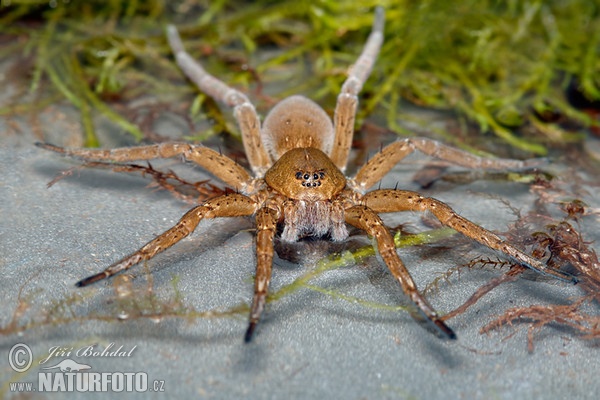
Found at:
[297, 122]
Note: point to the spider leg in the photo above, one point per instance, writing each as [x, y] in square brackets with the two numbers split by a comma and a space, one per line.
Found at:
[243, 110]
[345, 110]
[378, 166]
[229, 205]
[217, 164]
[402, 200]
[266, 226]
[366, 219]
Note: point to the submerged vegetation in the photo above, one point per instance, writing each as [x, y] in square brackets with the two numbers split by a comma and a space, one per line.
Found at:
[551, 230]
[526, 72]
[511, 68]
[141, 302]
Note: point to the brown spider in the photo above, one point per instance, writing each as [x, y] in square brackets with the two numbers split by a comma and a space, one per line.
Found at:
[298, 157]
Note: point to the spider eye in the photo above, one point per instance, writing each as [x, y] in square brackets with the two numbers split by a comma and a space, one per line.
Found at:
[310, 179]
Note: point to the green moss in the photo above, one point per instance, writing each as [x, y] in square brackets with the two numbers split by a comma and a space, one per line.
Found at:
[501, 65]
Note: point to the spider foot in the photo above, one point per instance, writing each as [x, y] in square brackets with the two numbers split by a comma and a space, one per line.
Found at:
[250, 332]
[429, 320]
[92, 279]
[443, 330]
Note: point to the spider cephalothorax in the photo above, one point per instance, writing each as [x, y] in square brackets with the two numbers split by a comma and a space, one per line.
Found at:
[298, 158]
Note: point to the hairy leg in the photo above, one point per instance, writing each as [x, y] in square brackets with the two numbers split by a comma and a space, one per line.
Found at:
[229, 205]
[266, 226]
[217, 164]
[366, 219]
[378, 166]
[243, 110]
[403, 200]
[347, 101]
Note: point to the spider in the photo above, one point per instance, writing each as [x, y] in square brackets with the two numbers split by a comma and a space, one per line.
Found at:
[298, 157]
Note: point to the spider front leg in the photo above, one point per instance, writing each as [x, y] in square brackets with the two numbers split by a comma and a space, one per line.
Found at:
[366, 219]
[402, 200]
[243, 110]
[347, 102]
[222, 167]
[378, 166]
[266, 226]
[229, 205]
